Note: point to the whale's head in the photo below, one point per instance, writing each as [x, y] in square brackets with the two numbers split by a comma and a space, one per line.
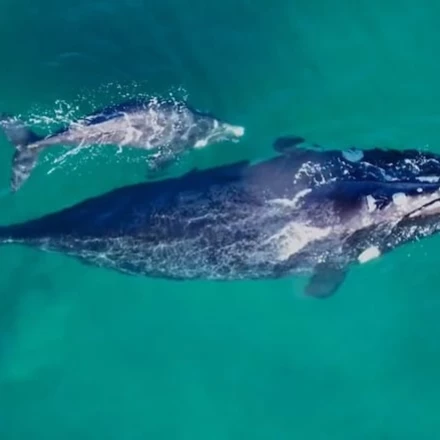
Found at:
[218, 133]
[421, 220]
[382, 216]
[207, 130]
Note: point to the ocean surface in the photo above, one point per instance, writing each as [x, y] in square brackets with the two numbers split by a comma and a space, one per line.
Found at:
[87, 353]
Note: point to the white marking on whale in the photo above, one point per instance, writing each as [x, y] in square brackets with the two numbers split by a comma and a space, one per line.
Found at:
[371, 203]
[369, 254]
[353, 155]
[295, 236]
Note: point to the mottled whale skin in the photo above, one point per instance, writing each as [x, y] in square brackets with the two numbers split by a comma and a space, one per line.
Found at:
[306, 211]
[167, 127]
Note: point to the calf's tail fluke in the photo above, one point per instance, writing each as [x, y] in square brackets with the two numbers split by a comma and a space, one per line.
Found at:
[25, 157]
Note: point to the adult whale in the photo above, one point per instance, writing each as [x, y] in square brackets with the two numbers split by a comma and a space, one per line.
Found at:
[168, 128]
[305, 212]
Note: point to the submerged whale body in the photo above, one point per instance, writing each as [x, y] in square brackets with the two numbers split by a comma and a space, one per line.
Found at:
[304, 212]
[166, 127]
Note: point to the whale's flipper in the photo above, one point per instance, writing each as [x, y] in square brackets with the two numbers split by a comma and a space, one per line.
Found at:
[23, 163]
[287, 144]
[325, 281]
[24, 158]
[159, 163]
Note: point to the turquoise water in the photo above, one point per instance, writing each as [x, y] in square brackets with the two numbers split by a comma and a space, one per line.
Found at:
[88, 353]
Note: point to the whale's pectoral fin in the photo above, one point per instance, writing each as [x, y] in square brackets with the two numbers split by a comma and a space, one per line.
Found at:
[159, 163]
[23, 162]
[287, 144]
[325, 281]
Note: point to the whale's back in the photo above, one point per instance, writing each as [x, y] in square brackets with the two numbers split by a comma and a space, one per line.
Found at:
[124, 209]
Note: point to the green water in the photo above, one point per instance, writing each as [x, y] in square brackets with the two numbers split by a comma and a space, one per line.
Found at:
[91, 354]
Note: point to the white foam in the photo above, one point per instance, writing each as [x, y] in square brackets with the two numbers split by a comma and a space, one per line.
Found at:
[369, 254]
[291, 202]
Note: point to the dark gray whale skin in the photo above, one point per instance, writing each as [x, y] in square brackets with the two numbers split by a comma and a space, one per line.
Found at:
[307, 211]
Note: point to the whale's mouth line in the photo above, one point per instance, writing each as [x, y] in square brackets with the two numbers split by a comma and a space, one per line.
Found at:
[420, 208]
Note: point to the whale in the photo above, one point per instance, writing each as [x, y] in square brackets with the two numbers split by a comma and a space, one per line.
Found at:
[305, 211]
[166, 128]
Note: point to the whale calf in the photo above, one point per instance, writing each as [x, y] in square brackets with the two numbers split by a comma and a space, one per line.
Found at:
[305, 212]
[166, 126]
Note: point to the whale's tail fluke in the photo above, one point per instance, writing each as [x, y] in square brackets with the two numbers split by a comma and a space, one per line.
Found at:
[25, 157]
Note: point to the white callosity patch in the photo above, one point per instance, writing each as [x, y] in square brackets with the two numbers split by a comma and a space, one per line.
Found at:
[369, 254]
[353, 155]
[371, 203]
[402, 204]
[237, 130]
[400, 199]
[415, 205]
